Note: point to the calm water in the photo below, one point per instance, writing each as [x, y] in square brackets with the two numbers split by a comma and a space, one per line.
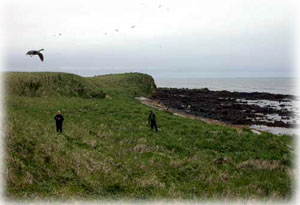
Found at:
[270, 85]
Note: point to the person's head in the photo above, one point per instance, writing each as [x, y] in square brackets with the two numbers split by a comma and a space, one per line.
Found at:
[150, 112]
[58, 112]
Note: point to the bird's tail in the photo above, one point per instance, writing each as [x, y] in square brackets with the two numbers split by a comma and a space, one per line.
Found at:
[40, 50]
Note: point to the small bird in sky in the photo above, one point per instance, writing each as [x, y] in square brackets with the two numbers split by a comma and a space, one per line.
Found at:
[117, 30]
[159, 6]
[132, 26]
[59, 34]
[34, 52]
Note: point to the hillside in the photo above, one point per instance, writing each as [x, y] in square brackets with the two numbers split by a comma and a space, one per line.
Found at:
[127, 84]
[50, 85]
[107, 150]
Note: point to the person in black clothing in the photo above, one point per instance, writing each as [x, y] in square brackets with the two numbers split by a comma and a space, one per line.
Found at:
[59, 121]
[152, 121]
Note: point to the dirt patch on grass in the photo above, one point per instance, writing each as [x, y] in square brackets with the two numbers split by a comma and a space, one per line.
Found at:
[261, 164]
[141, 148]
[149, 181]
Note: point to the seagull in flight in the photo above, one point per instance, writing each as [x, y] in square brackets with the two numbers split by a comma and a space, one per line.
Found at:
[34, 52]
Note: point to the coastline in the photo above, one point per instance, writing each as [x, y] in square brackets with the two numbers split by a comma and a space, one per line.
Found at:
[263, 111]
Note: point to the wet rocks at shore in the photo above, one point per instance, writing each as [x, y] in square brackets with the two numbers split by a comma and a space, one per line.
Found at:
[231, 107]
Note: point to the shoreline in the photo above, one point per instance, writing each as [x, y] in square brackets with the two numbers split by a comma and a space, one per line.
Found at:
[157, 105]
[255, 129]
[262, 111]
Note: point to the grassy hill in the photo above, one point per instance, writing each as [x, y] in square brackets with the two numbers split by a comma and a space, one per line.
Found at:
[50, 85]
[107, 150]
[127, 84]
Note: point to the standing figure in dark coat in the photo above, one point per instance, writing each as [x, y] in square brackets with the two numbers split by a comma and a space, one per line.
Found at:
[59, 121]
[152, 121]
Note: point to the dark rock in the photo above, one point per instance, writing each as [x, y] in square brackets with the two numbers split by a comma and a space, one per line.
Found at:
[224, 105]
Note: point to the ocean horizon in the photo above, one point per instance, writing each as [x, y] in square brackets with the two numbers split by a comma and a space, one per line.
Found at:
[274, 85]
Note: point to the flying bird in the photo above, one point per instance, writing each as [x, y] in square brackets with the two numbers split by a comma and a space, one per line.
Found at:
[34, 52]
[132, 26]
[117, 30]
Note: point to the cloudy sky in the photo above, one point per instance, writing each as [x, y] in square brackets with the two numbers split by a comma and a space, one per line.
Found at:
[215, 38]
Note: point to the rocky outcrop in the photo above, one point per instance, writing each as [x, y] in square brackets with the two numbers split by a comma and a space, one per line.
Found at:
[229, 107]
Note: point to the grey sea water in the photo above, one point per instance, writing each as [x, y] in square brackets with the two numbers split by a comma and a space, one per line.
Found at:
[269, 85]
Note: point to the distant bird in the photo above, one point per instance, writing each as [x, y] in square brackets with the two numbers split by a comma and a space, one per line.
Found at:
[117, 30]
[57, 34]
[159, 6]
[33, 52]
[132, 26]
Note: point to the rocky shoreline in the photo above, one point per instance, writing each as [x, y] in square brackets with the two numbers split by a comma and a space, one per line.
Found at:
[236, 108]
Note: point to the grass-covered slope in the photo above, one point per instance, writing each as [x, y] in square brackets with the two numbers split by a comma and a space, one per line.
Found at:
[50, 84]
[107, 150]
[127, 84]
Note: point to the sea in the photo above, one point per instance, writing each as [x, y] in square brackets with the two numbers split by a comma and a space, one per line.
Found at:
[270, 85]
[274, 85]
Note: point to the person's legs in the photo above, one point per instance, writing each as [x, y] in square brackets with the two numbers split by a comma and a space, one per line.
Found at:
[60, 128]
[155, 126]
[152, 125]
[57, 128]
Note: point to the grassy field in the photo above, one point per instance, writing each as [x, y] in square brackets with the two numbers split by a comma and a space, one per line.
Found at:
[108, 151]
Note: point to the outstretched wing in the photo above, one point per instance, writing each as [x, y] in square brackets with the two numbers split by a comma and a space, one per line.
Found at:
[29, 52]
[41, 56]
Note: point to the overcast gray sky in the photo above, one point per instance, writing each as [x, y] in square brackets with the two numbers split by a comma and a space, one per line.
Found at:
[206, 38]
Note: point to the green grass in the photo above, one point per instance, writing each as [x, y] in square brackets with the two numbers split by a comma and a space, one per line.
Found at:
[49, 84]
[107, 150]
